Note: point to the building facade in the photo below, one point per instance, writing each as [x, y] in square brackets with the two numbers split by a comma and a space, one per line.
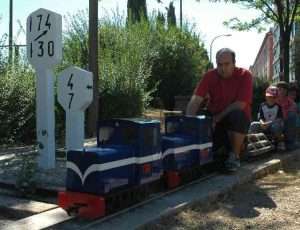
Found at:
[263, 64]
[294, 54]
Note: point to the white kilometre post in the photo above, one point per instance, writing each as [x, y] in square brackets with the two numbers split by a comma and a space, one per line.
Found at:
[44, 51]
[75, 93]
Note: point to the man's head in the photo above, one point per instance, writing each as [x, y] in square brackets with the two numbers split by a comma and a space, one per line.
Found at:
[225, 62]
[283, 88]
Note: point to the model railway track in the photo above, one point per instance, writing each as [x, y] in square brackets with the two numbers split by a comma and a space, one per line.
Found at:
[84, 224]
[36, 212]
[50, 216]
[76, 223]
[19, 213]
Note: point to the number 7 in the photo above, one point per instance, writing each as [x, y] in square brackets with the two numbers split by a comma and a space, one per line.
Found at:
[71, 99]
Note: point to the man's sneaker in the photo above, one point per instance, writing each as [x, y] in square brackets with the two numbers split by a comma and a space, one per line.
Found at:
[232, 163]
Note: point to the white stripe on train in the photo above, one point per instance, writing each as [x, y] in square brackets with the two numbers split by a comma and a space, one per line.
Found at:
[133, 160]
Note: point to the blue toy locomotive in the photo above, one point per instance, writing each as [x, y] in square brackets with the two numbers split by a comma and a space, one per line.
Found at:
[131, 157]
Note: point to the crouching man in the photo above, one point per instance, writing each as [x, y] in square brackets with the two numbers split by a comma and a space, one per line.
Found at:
[229, 90]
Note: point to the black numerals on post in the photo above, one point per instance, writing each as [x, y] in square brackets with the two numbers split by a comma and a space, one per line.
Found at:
[31, 51]
[40, 19]
[42, 47]
[71, 99]
[70, 85]
[30, 24]
[51, 48]
[48, 22]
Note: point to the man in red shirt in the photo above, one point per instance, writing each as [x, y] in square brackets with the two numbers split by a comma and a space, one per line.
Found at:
[229, 90]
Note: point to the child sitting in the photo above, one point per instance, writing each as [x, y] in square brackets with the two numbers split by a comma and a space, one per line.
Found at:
[289, 112]
[269, 116]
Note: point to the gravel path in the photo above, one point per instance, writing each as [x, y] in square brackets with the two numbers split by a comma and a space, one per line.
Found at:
[272, 202]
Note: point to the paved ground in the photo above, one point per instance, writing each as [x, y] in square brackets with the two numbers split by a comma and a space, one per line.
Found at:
[272, 202]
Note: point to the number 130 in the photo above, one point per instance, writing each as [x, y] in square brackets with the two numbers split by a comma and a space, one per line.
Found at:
[41, 48]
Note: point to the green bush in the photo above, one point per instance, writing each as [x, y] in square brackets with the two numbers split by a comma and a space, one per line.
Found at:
[124, 63]
[75, 48]
[17, 106]
[125, 67]
[180, 62]
[3, 57]
[143, 59]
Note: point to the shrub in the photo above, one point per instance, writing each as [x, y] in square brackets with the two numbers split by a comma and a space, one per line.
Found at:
[17, 106]
[75, 48]
[144, 59]
[126, 61]
[180, 62]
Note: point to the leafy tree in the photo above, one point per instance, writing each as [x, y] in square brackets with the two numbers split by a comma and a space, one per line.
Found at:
[136, 10]
[171, 15]
[281, 12]
[76, 39]
[160, 18]
[180, 59]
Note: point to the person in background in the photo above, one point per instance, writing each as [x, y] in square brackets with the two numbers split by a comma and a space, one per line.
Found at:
[289, 112]
[293, 93]
[270, 120]
[230, 97]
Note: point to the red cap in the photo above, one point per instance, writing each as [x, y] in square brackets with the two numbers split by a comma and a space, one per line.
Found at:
[272, 91]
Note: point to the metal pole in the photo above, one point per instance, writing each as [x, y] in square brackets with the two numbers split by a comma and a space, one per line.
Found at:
[7, 46]
[180, 14]
[211, 44]
[10, 33]
[93, 65]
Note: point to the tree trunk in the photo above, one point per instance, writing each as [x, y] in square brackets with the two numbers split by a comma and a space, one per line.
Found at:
[284, 55]
[171, 15]
[136, 10]
[93, 66]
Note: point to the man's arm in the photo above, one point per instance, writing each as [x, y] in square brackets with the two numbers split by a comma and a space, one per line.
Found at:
[194, 105]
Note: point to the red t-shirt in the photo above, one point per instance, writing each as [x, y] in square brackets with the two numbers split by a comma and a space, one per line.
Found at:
[223, 92]
[287, 105]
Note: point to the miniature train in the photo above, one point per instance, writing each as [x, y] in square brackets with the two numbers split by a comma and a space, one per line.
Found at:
[133, 159]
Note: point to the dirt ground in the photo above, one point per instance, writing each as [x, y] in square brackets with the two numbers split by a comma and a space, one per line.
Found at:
[272, 202]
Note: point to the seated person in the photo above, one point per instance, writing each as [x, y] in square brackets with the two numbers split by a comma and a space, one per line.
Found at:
[286, 103]
[269, 116]
[230, 95]
[289, 112]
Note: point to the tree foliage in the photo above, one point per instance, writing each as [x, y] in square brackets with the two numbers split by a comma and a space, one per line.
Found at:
[139, 61]
[136, 10]
[171, 15]
[281, 12]
[17, 106]
[181, 59]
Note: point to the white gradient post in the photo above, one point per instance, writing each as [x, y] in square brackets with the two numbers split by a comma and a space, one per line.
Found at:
[44, 51]
[75, 94]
